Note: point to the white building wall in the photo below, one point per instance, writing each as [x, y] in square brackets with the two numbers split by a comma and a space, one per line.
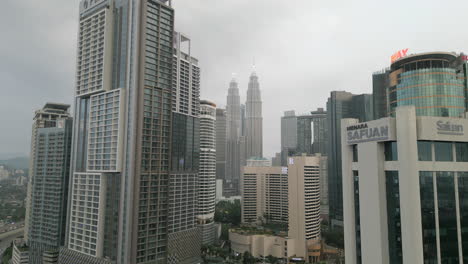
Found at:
[406, 129]
[410, 201]
[373, 205]
[88, 198]
[349, 215]
[304, 201]
[105, 135]
[207, 172]
[94, 50]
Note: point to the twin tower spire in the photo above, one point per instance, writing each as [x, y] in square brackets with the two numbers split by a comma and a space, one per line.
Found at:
[244, 127]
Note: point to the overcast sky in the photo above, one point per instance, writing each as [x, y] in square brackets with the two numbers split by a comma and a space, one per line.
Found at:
[303, 49]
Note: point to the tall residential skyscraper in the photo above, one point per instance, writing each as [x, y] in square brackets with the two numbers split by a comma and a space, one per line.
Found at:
[124, 205]
[220, 143]
[254, 127]
[49, 178]
[185, 155]
[341, 105]
[207, 172]
[233, 126]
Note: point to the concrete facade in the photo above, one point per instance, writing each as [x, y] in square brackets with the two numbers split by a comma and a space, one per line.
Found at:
[20, 253]
[304, 204]
[261, 245]
[264, 193]
[258, 162]
[404, 189]
[207, 172]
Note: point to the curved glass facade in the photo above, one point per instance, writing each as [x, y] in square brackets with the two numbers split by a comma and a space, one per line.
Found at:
[434, 92]
[437, 91]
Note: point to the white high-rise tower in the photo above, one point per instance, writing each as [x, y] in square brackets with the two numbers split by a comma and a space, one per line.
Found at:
[207, 171]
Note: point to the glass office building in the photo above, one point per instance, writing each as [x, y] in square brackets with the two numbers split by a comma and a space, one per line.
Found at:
[435, 83]
[409, 203]
[341, 105]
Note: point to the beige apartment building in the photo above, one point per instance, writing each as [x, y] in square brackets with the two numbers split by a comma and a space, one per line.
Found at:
[283, 195]
[264, 194]
[304, 204]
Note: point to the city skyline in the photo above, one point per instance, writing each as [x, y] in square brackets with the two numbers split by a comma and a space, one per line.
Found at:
[312, 80]
[170, 134]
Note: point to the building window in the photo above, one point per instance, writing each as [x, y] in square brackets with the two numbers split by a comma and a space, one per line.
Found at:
[426, 187]
[393, 216]
[463, 203]
[355, 153]
[357, 216]
[462, 151]
[447, 217]
[443, 151]
[424, 150]
[391, 151]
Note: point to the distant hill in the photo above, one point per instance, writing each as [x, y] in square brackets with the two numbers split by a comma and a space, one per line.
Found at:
[16, 163]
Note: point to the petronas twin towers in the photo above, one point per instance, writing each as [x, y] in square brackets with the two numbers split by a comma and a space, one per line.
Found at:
[254, 127]
[244, 131]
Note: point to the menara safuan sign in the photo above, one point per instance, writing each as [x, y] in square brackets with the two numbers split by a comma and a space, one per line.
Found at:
[363, 133]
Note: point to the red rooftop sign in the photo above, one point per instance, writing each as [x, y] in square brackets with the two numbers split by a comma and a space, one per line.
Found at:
[399, 54]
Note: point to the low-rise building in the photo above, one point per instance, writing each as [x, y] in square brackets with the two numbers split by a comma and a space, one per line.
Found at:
[261, 243]
[20, 254]
[4, 173]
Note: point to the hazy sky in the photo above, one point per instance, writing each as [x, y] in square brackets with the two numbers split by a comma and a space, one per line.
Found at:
[303, 50]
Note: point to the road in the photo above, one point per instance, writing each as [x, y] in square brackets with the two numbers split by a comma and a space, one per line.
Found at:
[10, 227]
[9, 236]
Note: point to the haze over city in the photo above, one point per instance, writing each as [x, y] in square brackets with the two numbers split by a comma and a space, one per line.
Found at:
[302, 50]
[233, 132]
